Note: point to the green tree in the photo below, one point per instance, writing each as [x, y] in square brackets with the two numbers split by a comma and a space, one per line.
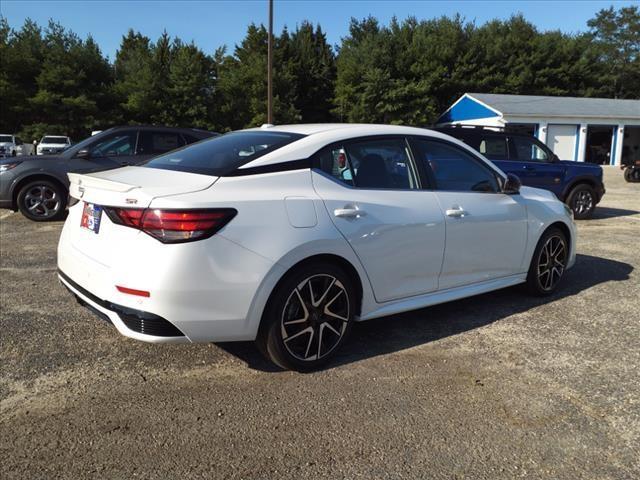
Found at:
[312, 70]
[190, 87]
[72, 82]
[616, 38]
[21, 56]
[134, 79]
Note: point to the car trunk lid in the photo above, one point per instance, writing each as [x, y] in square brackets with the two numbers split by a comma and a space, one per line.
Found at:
[128, 187]
[134, 186]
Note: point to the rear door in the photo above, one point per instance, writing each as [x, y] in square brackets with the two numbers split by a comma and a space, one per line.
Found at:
[156, 142]
[373, 194]
[486, 230]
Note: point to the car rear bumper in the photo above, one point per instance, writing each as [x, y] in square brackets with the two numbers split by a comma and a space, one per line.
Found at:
[130, 322]
[205, 289]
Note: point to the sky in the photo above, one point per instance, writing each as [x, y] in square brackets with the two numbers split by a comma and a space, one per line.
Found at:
[211, 24]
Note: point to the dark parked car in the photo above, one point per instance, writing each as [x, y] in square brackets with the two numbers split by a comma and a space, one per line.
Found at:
[38, 185]
[577, 184]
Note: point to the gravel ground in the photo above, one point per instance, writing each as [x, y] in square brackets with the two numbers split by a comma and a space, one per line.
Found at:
[496, 386]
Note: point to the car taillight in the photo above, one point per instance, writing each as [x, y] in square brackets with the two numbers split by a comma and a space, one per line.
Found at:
[173, 226]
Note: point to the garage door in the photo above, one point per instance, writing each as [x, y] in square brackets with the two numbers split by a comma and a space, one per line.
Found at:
[562, 140]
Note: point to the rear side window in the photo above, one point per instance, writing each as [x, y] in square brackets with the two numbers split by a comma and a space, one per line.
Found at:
[454, 169]
[156, 143]
[190, 138]
[494, 148]
[222, 155]
[371, 164]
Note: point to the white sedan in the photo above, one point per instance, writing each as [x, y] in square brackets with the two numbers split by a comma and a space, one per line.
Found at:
[287, 235]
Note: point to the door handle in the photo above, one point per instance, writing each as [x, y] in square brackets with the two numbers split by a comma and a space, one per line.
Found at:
[456, 212]
[529, 167]
[349, 212]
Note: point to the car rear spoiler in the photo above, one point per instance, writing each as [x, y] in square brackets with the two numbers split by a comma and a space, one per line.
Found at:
[78, 181]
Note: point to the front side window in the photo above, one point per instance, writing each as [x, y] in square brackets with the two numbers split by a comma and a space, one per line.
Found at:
[6, 139]
[454, 169]
[376, 163]
[526, 150]
[116, 145]
[494, 148]
[222, 155]
[156, 143]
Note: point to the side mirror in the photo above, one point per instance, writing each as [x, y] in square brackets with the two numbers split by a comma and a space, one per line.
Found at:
[512, 185]
[84, 153]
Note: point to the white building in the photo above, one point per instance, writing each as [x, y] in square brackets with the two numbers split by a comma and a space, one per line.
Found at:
[597, 130]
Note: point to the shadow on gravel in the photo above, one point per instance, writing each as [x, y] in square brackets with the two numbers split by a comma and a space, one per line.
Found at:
[607, 212]
[409, 329]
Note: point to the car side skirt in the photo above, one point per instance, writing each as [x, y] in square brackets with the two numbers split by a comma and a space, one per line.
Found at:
[443, 296]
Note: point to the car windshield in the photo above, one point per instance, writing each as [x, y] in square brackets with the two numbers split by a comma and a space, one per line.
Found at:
[5, 138]
[222, 155]
[54, 140]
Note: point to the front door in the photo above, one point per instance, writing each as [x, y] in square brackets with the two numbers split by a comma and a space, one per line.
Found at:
[372, 193]
[486, 230]
[109, 152]
[533, 165]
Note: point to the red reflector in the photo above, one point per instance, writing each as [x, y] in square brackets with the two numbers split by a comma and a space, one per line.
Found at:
[133, 291]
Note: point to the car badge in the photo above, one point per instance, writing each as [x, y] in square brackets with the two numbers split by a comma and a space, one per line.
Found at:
[130, 201]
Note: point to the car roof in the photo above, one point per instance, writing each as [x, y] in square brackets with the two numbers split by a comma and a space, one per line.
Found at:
[452, 130]
[196, 131]
[319, 135]
[315, 128]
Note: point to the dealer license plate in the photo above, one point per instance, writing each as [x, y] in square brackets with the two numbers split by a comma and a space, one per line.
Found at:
[91, 216]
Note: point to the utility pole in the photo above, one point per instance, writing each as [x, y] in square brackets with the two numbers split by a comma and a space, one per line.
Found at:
[270, 67]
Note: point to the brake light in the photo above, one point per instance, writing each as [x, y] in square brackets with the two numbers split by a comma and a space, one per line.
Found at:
[173, 226]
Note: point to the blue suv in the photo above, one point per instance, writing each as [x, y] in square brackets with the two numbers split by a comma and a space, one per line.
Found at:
[577, 184]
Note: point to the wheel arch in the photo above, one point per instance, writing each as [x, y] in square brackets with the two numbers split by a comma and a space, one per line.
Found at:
[29, 178]
[337, 260]
[360, 284]
[576, 182]
[564, 229]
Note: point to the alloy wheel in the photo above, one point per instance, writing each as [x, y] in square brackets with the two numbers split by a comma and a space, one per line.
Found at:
[552, 262]
[583, 202]
[315, 317]
[42, 201]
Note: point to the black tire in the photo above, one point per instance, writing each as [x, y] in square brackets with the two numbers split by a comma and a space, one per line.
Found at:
[582, 201]
[42, 200]
[296, 332]
[14, 153]
[632, 174]
[549, 263]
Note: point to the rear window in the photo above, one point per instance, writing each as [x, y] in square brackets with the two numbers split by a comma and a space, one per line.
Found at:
[222, 155]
